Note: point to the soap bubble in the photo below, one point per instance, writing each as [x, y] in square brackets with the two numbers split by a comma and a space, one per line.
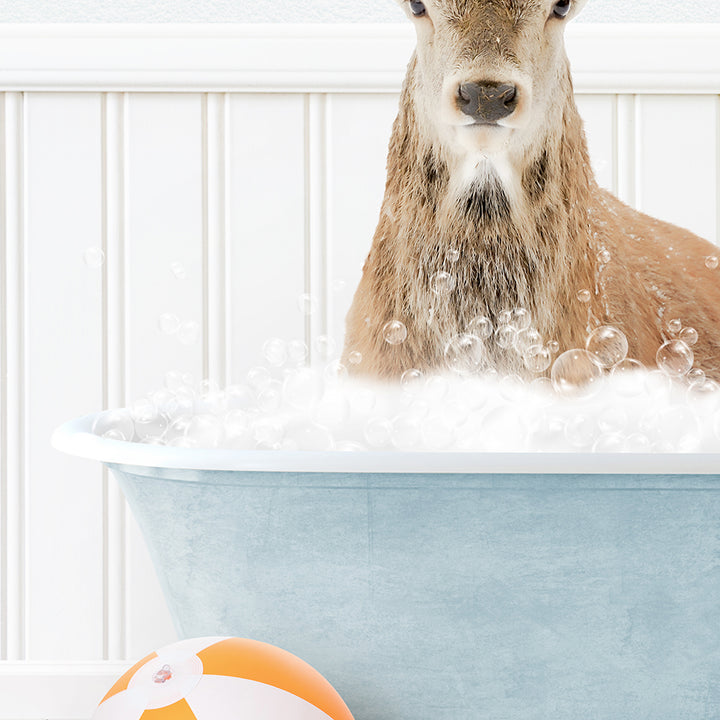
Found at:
[537, 359]
[442, 283]
[332, 410]
[239, 397]
[363, 400]
[527, 338]
[269, 399]
[519, 319]
[143, 410]
[581, 432]
[378, 431]
[189, 333]
[504, 318]
[437, 433]
[236, 424]
[701, 391]
[297, 351]
[307, 304]
[628, 378]
[505, 336]
[480, 327]
[607, 345]
[675, 358]
[94, 257]
[504, 429]
[174, 380]
[677, 429]
[324, 347]
[609, 443]
[412, 380]
[206, 430]
[405, 433]
[695, 377]
[150, 429]
[258, 377]
[394, 332]
[208, 386]
[689, 335]
[275, 352]
[575, 374]
[657, 383]
[178, 270]
[613, 420]
[436, 388]
[554, 347]
[674, 326]
[335, 371]
[464, 353]
[355, 357]
[584, 296]
[712, 262]
[169, 323]
[302, 388]
[267, 432]
[511, 387]
[309, 436]
[114, 425]
[637, 443]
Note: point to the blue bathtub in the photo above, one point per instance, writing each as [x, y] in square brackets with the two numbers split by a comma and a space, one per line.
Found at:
[447, 586]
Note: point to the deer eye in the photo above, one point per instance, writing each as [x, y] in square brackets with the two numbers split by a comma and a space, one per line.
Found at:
[562, 8]
[417, 8]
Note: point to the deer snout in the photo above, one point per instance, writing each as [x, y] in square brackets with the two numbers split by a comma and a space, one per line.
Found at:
[487, 102]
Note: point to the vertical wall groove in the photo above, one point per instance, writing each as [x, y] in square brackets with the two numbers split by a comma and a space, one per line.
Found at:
[3, 393]
[113, 149]
[717, 171]
[215, 237]
[14, 465]
[316, 260]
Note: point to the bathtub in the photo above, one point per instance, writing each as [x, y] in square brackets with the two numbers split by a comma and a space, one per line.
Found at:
[446, 586]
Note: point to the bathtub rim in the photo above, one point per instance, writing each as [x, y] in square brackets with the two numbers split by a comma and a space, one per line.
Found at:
[75, 437]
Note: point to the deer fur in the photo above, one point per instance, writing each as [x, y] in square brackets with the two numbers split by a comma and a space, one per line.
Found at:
[520, 204]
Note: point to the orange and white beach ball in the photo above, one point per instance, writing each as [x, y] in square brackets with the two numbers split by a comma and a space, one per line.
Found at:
[222, 679]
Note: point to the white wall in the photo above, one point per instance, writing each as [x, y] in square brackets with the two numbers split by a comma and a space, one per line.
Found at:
[87, 159]
[294, 11]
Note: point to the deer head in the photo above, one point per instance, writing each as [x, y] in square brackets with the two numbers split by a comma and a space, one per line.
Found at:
[490, 81]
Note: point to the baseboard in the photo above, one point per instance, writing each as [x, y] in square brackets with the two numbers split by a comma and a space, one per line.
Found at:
[63, 691]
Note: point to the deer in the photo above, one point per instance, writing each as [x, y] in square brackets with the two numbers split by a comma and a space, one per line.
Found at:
[490, 188]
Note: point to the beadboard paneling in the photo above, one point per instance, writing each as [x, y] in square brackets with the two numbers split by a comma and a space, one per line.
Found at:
[255, 158]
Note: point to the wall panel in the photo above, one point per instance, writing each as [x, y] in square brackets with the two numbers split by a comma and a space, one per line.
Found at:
[268, 146]
[164, 276]
[678, 161]
[63, 365]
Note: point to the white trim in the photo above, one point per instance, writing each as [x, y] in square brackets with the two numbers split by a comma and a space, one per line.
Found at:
[67, 691]
[76, 438]
[607, 58]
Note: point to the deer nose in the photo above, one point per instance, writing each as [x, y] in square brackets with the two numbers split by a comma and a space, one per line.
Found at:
[487, 102]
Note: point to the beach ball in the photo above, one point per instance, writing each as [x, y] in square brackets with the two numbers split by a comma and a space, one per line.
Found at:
[222, 679]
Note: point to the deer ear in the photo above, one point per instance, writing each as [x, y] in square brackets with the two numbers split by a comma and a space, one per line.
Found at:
[579, 5]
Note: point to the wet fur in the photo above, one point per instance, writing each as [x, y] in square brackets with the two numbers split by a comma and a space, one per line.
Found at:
[537, 253]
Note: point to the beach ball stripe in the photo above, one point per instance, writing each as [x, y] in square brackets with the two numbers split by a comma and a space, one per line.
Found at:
[222, 679]
[122, 683]
[258, 661]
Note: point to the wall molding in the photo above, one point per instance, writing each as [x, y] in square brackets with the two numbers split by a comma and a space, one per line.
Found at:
[632, 58]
